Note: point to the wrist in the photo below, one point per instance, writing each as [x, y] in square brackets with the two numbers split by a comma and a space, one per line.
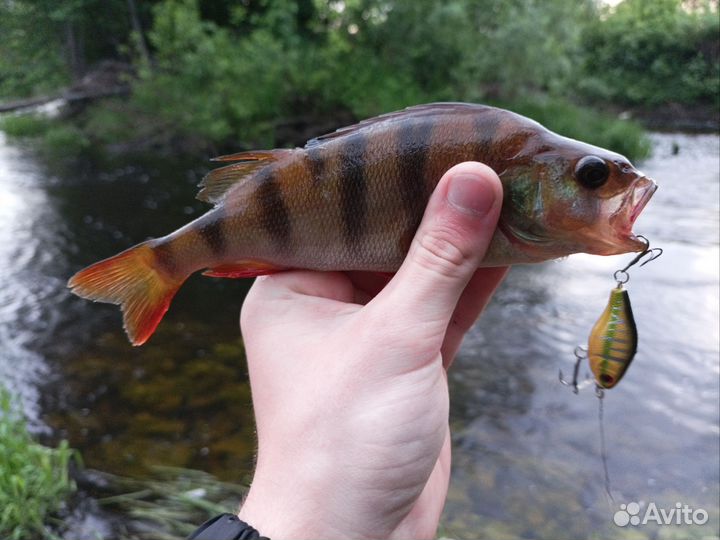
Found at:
[265, 518]
[226, 527]
[282, 506]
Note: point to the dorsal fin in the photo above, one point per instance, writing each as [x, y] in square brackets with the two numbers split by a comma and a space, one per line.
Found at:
[414, 111]
[217, 182]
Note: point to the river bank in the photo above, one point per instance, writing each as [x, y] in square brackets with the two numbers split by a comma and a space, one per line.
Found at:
[89, 118]
[117, 126]
[675, 117]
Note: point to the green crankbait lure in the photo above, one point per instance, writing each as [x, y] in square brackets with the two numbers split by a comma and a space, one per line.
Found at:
[613, 339]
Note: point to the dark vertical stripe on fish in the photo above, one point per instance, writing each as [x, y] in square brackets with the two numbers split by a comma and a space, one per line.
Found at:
[165, 256]
[487, 128]
[274, 212]
[414, 140]
[316, 165]
[212, 232]
[353, 188]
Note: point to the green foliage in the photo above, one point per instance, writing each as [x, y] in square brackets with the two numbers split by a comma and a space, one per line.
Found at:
[207, 84]
[34, 479]
[650, 52]
[46, 44]
[460, 49]
[227, 73]
[218, 83]
[587, 125]
[63, 139]
[24, 125]
[365, 56]
[172, 502]
[522, 47]
[54, 137]
[31, 59]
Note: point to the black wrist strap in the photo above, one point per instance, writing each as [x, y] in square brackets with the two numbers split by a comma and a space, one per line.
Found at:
[226, 527]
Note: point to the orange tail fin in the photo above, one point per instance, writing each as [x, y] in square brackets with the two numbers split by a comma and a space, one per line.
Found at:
[131, 280]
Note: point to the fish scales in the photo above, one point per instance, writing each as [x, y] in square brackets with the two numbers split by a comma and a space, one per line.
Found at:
[213, 234]
[353, 199]
[274, 212]
[343, 197]
[373, 200]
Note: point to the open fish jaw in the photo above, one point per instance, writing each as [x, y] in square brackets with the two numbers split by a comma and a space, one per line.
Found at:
[629, 209]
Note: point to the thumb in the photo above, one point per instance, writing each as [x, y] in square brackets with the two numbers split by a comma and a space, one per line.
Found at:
[452, 239]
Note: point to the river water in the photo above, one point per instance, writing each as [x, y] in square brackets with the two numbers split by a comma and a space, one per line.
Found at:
[527, 460]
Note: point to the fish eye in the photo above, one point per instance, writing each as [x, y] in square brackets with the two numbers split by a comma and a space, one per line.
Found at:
[592, 172]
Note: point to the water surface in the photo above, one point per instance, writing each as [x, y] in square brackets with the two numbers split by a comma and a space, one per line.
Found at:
[526, 460]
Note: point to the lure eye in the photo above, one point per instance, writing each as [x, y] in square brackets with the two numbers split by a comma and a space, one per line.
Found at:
[592, 172]
[606, 379]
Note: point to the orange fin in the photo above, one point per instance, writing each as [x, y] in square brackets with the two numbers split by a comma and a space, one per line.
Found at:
[243, 269]
[131, 280]
[217, 182]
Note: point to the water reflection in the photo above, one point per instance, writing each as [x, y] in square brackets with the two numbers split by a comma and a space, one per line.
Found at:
[526, 450]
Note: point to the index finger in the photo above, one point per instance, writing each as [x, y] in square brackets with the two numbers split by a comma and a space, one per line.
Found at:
[472, 302]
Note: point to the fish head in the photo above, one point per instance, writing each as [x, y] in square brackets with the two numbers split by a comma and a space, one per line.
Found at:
[569, 197]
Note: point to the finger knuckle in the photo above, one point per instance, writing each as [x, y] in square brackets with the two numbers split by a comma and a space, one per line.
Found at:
[440, 252]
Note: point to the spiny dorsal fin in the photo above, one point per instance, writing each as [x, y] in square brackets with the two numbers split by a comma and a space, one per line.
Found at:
[216, 183]
[415, 111]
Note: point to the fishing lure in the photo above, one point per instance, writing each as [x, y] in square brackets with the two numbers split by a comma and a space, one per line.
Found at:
[613, 340]
[612, 345]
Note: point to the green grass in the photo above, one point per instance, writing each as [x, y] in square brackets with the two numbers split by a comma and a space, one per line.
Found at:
[34, 479]
[63, 139]
[170, 504]
[53, 137]
[24, 125]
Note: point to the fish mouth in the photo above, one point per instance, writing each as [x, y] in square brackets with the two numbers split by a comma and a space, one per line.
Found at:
[627, 212]
[611, 233]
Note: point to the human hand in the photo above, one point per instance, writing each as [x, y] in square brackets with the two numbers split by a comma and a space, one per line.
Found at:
[349, 383]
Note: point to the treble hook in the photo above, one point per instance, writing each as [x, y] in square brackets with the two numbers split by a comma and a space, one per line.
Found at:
[580, 355]
[622, 276]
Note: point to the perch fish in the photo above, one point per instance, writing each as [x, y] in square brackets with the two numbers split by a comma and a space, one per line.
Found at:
[353, 199]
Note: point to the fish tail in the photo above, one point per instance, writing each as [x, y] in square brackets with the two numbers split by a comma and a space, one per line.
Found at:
[134, 280]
